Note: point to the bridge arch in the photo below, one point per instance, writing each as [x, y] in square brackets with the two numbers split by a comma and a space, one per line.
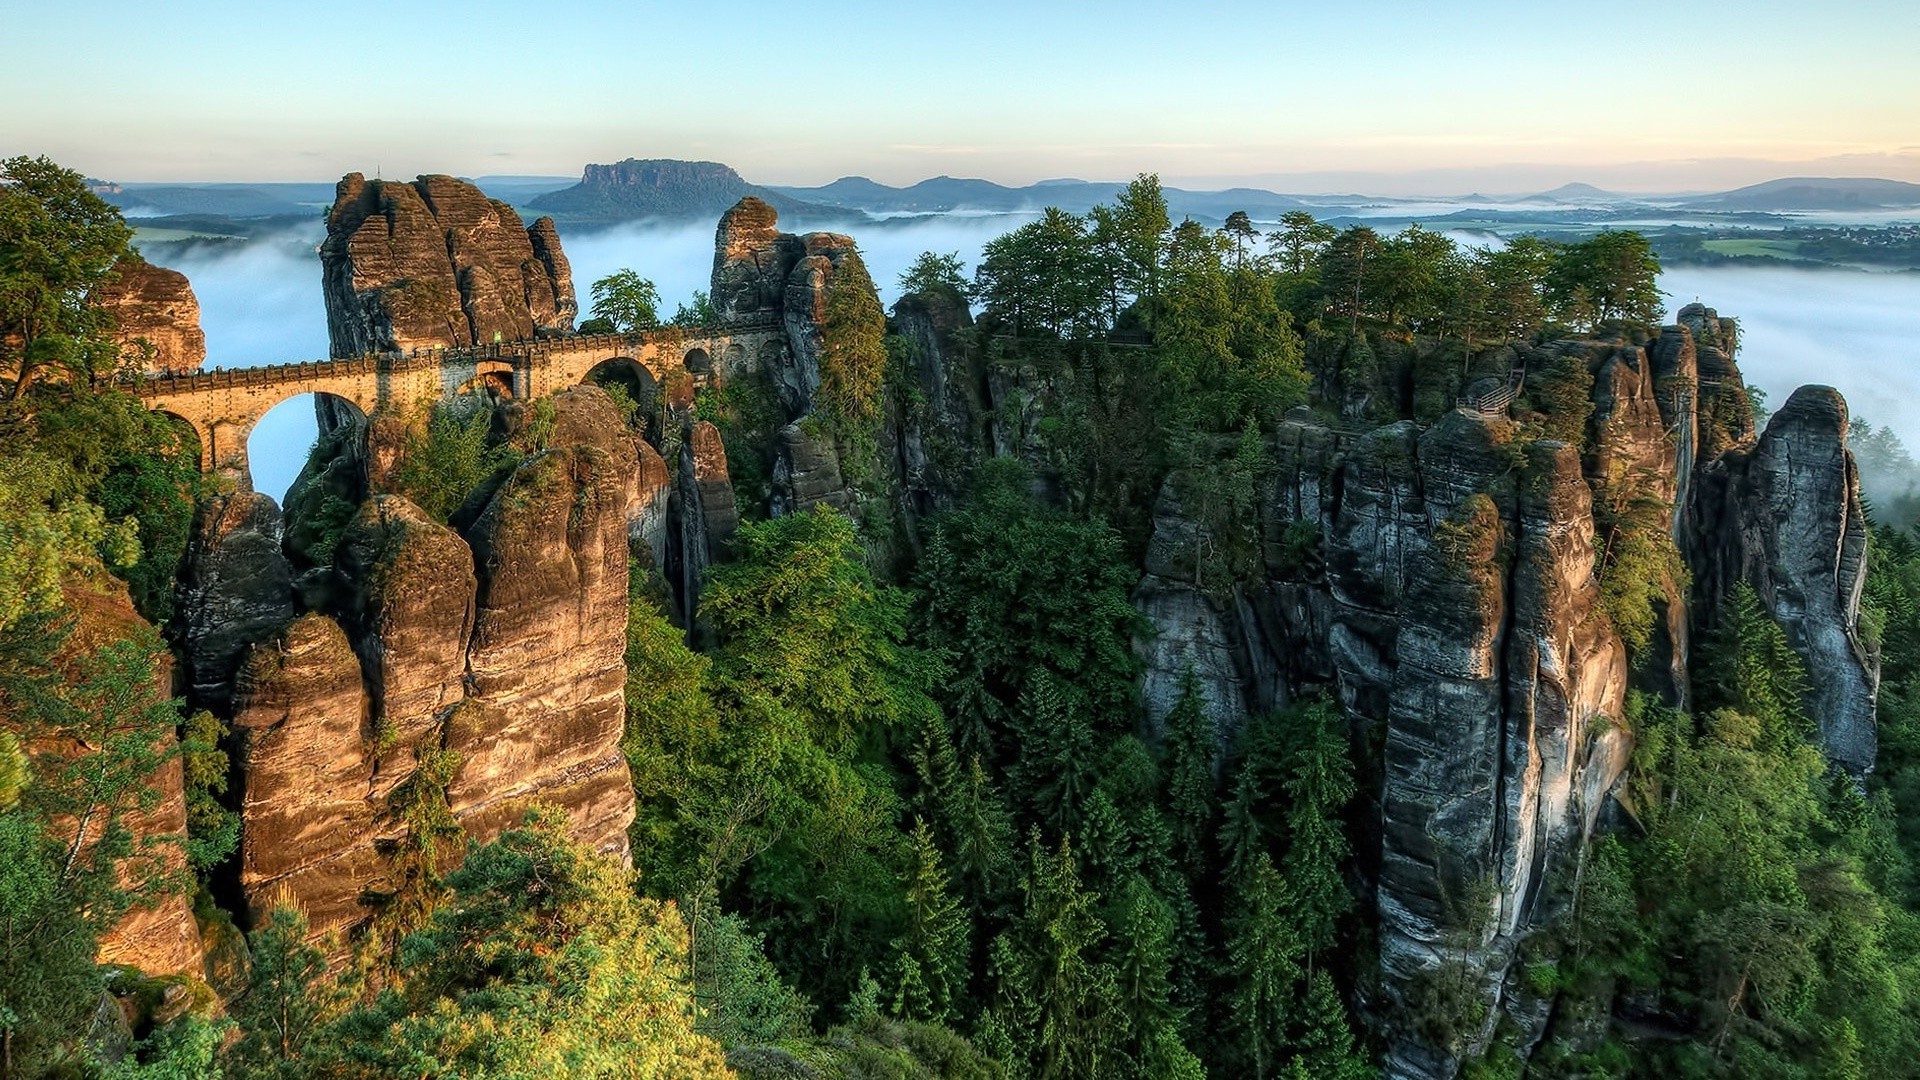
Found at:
[190, 434]
[630, 376]
[495, 376]
[275, 446]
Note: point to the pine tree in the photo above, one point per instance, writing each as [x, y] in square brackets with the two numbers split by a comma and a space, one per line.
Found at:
[1319, 785]
[1055, 771]
[1193, 804]
[1323, 1047]
[1057, 937]
[933, 953]
[1263, 953]
[289, 996]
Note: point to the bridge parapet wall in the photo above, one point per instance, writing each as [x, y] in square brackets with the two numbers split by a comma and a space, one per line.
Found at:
[224, 405]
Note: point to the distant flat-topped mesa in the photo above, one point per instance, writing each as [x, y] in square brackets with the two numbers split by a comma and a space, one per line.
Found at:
[637, 189]
[156, 317]
[435, 263]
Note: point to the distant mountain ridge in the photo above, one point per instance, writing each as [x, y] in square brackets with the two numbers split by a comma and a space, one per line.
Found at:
[1816, 193]
[946, 194]
[659, 188]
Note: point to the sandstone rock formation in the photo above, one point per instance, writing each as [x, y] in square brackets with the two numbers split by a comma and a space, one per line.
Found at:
[236, 589]
[544, 712]
[156, 318]
[305, 751]
[162, 938]
[708, 515]
[1786, 517]
[943, 432]
[806, 473]
[479, 670]
[437, 263]
[762, 276]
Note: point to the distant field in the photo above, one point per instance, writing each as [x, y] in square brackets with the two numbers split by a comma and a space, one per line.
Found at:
[1779, 249]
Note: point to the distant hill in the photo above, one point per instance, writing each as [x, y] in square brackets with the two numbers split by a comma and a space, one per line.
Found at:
[1578, 193]
[945, 194]
[225, 200]
[665, 189]
[1816, 193]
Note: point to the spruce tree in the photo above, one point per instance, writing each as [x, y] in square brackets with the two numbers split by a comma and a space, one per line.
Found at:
[933, 953]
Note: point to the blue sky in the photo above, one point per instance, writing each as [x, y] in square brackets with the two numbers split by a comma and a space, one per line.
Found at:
[1395, 97]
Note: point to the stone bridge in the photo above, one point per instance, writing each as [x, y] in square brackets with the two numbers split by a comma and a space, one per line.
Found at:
[223, 406]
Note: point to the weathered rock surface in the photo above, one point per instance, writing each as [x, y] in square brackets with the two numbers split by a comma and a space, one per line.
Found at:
[161, 939]
[500, 651]
[437, 263]
[410, 617]
[806, 473]
[708, 515]
[306, 757]
[544, 712]
[823, 257]
[764, 277]
[236, 589]
[156, 318]
[942, 432]
[1786, 518]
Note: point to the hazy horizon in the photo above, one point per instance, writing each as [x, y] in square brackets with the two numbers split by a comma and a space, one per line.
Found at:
[1651, 179]
[1405, 98]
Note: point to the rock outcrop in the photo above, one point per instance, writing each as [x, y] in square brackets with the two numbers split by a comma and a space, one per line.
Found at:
[763, 277]
[1442, 583]
[477, 669]
[437, 263]
[544, 712]
[806, 473]
[160, 938]
[306, 755]
[942, 431]
[236, 589]
[706, 508]
[156, 318]
[1786, 518]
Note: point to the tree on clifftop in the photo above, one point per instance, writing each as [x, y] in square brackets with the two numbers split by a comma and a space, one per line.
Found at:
[626, 302]
[58, 241]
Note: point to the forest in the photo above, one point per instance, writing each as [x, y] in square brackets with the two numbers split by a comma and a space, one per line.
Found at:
[901, 809]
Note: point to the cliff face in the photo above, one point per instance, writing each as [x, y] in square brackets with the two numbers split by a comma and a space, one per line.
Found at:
[156, 317]
[437, 263]
[1785, 517]
[474, 670]
[1443, 585]
[162, 938]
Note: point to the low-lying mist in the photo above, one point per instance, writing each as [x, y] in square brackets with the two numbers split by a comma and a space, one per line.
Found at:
[260, 303]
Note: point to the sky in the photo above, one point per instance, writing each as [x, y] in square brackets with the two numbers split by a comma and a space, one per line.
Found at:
[1385, 97]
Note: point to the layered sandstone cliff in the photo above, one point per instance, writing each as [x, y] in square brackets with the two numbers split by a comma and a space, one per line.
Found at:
[160, 937]
[156, 318]
[436, 263]
[1442, 583]
[447, 677]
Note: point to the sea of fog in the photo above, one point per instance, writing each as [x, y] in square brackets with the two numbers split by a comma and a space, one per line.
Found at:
[1854, 330]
